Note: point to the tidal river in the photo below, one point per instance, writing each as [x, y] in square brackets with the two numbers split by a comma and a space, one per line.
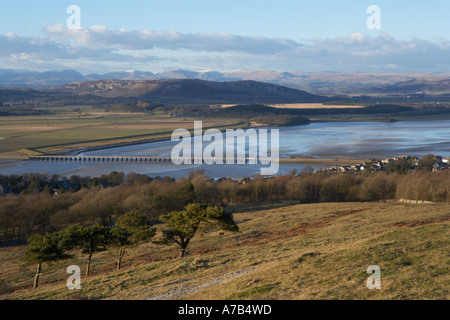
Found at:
[360, 140]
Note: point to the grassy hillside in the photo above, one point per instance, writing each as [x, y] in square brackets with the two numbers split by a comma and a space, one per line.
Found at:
[284, 251]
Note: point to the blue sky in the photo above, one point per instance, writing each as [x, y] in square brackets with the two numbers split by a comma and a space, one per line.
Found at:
[226, 35]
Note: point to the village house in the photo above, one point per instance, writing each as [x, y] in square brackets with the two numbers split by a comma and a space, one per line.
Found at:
[380, 165]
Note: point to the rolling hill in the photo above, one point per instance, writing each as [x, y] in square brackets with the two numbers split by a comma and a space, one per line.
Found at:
[417, 86]
[188, 91]
[320, 83]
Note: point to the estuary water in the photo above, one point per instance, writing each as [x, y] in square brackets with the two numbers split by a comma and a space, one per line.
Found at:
[360, 140]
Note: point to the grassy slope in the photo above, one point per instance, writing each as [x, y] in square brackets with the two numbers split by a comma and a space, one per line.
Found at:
[310, 251]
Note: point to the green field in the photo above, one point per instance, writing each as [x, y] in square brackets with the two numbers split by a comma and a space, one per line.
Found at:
[88, 128]
[284, 251]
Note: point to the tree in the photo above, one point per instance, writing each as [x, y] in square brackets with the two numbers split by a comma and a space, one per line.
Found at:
[378, 186]
[90, 240]
[9, 214]
[428, 161]
[43, 208]
[44, 248]
[181, 226]
[130, 229]
[339, 187]
[120, 239]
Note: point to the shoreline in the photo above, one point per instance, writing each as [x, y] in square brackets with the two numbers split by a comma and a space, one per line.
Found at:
[72, 151]
[163, 137]
[7, 163]
[8, 159]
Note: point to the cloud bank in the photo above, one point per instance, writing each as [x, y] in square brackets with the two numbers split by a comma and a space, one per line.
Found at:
[97, 49]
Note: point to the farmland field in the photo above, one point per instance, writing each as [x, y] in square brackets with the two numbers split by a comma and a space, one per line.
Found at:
[52, 133]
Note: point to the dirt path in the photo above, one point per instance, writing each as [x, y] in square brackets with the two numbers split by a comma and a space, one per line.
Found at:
[186, 289]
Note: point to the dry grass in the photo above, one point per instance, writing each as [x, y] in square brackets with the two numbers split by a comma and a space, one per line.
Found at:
[307, 251]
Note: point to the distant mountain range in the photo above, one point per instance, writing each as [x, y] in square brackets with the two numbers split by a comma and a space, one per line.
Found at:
[319, 83]
[31, 79]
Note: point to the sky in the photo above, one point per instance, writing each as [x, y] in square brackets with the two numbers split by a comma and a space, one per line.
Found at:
[225, 35]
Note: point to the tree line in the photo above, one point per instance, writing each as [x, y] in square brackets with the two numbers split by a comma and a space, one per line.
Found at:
[129, 229]
[37, 211]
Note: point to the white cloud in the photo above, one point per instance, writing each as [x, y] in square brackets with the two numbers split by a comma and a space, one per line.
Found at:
[162, 50]
[357, 36]
[101, 29]
[98, 36]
